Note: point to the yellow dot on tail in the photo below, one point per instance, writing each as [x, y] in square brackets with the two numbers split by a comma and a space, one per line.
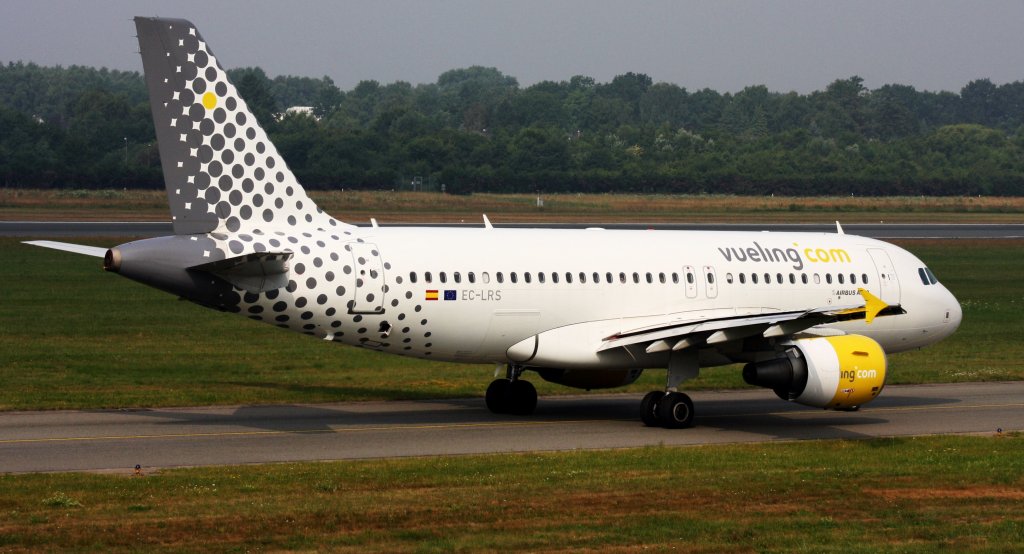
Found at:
[210, 100]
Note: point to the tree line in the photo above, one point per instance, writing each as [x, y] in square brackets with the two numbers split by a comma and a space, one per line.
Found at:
[476, 129]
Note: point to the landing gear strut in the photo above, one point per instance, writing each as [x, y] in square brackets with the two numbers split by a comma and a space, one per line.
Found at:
[511, 395]
[672, 409]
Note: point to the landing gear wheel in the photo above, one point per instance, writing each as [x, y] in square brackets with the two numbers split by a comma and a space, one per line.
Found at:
[522, 397]
[675, 410]
[649, 408]
[497, 396]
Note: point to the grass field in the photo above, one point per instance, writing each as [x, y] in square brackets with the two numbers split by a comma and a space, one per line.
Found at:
[957, 494]
[72, 336]
[359, 206]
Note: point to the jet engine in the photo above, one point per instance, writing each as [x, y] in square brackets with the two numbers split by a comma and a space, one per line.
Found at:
[589, 378]
[841, 372]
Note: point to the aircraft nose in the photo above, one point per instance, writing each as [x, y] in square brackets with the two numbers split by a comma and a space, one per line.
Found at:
[952, 313]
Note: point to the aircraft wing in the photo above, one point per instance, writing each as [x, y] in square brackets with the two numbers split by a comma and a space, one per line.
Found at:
[69, 247]
[676, 334]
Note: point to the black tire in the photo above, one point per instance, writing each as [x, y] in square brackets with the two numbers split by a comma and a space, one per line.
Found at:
[522, 397]
[497, 396]
[649, 408]
[675, 410]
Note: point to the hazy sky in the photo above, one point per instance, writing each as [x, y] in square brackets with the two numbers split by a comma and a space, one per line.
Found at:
[786, 45]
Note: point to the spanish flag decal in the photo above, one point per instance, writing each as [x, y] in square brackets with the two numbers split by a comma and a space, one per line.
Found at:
[431, 295]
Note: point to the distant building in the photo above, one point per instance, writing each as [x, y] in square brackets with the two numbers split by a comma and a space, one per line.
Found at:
[297, 110]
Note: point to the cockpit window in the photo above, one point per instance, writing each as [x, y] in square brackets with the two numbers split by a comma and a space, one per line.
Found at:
[931, 276]
[923, 275]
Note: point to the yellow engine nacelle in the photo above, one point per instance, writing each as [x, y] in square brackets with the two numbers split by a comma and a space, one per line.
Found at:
[828, 372]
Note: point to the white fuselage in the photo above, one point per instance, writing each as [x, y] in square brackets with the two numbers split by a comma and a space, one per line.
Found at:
[470, 294]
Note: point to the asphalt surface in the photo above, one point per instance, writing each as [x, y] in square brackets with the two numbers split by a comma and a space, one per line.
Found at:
[157, 438]
[50, 229]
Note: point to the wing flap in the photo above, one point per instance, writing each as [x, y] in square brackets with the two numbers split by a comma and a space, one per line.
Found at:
[677, 334]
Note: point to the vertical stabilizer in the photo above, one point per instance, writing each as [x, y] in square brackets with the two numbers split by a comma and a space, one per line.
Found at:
[221, 171]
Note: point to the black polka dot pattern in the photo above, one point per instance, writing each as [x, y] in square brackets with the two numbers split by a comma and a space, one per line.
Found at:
[233, 196]
[214, 177]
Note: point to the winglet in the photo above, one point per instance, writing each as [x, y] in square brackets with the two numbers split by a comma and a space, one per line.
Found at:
[872, 305]
[839, 228]
[487, 223]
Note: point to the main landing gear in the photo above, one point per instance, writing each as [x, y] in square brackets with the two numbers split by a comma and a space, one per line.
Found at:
[672, 409]
[511, 395]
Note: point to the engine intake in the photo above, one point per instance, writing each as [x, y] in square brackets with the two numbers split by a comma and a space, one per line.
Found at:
[828, 372]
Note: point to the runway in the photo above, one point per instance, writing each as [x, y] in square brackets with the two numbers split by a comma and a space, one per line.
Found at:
[160, 438]
[51, 229]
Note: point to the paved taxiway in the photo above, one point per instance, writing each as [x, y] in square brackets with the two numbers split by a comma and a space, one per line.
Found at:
[117, 440]
[51, 229]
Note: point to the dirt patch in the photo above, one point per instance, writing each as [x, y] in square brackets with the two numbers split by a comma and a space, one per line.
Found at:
[1001, 493]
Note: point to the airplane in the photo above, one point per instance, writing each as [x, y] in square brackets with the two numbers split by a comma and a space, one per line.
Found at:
[813, 316]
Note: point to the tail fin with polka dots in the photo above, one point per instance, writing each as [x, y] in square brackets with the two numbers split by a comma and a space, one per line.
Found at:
[221, 171]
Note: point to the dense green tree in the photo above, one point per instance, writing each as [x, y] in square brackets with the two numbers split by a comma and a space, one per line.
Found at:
[476, 129]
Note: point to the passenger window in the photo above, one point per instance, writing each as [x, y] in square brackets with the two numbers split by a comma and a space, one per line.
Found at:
[743, 278]
[650, 278]
[513, 277]
[778, 278]
[853, 278]
[442, 277]
[864, 278]
[828, 278]
[540, 277]
[526, 276]
[457, 277]
[583, 277]
[817, 279]
[554, 277]
[840, 277]
[728, 277]
[661, 278]
[753, 278]
[767, 278]
[675, 278]
[792, 279]
[485, 277]
[427, 277]
[597, 278]
[608, 277]
[412, 276]
[471, 276]
[636, 277]
[568, 277]
[689, 278]
[711, 278]
[622, 277]
[499, 277]
[803, 278]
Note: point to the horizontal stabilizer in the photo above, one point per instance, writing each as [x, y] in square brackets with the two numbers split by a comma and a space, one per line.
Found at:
[94, 251]
[255, 272]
